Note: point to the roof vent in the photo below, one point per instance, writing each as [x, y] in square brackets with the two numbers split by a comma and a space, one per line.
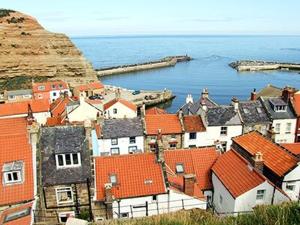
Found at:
[148, 181]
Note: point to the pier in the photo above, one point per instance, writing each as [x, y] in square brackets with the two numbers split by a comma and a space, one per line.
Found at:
[165, 62]
[248, 65]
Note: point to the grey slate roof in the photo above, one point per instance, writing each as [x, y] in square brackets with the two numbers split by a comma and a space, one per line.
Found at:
[270, 91]
[19, 92]
[253, 112]
[64, 139]
[193, 108]
[222, 116]
[118, 128]
[266, 101]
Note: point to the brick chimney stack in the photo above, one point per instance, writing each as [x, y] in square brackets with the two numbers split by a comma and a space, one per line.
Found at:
[188, 184]
[235, 103]
[159, 147]
[258, 161]
[253, 95]
[288, 93]
[108, 201]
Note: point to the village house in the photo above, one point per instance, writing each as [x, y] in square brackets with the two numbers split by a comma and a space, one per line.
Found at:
[282, 116]
[142, 193]
[275, 162]
[194, 131]
[18, 188]
[239, 187]
[168, 126]
[119, 108]
[66, 173]
[17, 95]
[39, 108]
[191, 165]
[254, 115]
[88, 90]
[293, 148]
[50, 90]
[295, 101]
[118, 137]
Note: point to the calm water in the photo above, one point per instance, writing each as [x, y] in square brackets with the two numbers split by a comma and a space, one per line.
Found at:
[209, 69]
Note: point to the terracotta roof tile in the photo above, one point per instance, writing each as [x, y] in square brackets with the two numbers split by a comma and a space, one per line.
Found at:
[193, 124]
[15, 146]
[58, 107]
[155, 111]
[198, 161]
[168, 123]
[132, 172]
[123, 101]
[275, 157]
[235, 174]
[293, 148]
[58, 85]
[296, 103]
[90, 86]
[17, 108]
[25, 220]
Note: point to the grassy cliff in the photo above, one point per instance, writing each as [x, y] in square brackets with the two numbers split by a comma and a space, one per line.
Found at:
[286, 214]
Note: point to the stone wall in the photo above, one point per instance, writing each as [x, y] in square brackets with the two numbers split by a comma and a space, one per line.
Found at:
[166, 140]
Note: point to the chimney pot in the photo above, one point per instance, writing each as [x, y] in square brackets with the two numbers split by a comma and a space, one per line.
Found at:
[253, 95]
[258, 161]
[188, 184]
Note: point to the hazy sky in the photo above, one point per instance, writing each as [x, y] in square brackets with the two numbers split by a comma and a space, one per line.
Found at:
[122, 17]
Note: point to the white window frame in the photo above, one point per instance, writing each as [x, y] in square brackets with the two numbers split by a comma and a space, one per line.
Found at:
[115, 180]
[290, 184]
[114, 141]
[132, 149]
[195, 133]
[181, 166]
[64, 214]
[12, 97]
[224, 131]
[260, 196]
[27, 96]
[17, 215]
[115, 148]
[288, 128]
[19, 180]
[277, 128]
[131, 140]
[64, 160]
[63, 189]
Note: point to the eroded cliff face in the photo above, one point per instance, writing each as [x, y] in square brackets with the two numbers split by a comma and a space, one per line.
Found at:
[28, 50]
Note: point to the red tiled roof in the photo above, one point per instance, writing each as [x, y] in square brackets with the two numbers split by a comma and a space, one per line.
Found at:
[296, 103]
[58, 85]
[155, 111]
[90, 86]
[133, 172]
[58, 107]
[168, 123]
[120, 100]
[15, 146]
[193, 124]
[198, 161]
[17, 108]
[235, 174]
[293, 148]
[275, 157]
[26, 220]
[55, 121]
[93, 102]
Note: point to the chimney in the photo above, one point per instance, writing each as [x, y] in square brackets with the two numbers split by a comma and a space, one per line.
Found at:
[288, 93]
[189, 99]
[159, 147]
[203, 104]
[88, 131]
[204, 93]
[143, 110]
[235, 103]
[253, 95]
[188, 184]
[30, 117]
[272, 134]
[108, 201]
[258, 161]
[118, 93]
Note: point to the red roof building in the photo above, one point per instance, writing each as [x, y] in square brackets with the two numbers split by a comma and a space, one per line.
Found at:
[295, 100]
[155, 111]
[122, 101]
[193, 124]
[166, 123]
[90, 89]
[16, 163]
[294, 148]
[19, 215]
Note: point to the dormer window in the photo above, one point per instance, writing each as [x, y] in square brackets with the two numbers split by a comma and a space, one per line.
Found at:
[280, 108]
[68, 160]
[113, 179]
[278, 105]
[13, 172]
[17, 215]
[179, 168]
[41, 88]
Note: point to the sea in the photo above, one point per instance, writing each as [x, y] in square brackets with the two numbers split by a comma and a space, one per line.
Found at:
[209, 69]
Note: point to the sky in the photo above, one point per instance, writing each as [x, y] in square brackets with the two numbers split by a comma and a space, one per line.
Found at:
[162, 17]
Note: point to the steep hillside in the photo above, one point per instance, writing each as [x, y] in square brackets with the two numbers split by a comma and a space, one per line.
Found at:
[27, 50]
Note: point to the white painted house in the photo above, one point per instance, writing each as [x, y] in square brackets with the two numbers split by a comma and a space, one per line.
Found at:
[119, 108]
[142, 193]
[194, 131]
[239, 187]
[118, 137]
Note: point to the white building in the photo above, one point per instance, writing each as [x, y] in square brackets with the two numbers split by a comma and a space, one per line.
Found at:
[239, 187]
[118, 137]
[119, 108]
[194, 132]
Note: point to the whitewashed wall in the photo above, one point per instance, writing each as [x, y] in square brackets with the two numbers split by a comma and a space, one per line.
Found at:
[57, 94]
[40, 117]
[122, 112]
[283, 137]
[294, 175]
[199, 141]
[83, 112]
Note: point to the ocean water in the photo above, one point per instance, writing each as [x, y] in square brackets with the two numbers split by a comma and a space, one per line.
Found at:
[209, 69]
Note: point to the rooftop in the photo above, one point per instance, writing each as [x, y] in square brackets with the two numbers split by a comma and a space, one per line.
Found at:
[90, 86]
[20, 92]
[128, 104]
[293, 148]
[253, 112]
[193, 108]
[137, 175]
[269, 102]
[49, 86]
[270, 91]
[155, 111]
[193, 123]
[296, 103]
[274, 156]
[167, 123]
[222, 116]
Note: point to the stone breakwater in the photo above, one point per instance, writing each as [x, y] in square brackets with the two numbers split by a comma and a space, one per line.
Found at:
[165, 62]
[248, 65]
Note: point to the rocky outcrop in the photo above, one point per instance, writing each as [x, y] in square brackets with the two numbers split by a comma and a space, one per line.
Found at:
[28, 50]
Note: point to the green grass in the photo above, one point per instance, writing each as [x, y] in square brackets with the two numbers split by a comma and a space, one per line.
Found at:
[285, 214]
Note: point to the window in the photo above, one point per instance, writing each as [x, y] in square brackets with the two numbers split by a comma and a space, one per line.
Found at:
[193, 136]
[192, 146]
[68, 160]
[54, 94]
[115, 111]
[60, 86]
[63, 217]
[132, 149]
[220, 200]
[41, 88]
[114, 141]
[277, 128]
[26, 96]
[115, 151]
[223, 131]
[280, 108]
[64, 195]
[173, 145]
[224, 146]
[290, 186]
[132, 140]
[173, 136]
[125, 215]
[154, 197]
[113, 179]
[11, 97]
[288, 128]
[260, 195]
[17, 215]
[53, 86]
[13, 172]
[179, 168]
